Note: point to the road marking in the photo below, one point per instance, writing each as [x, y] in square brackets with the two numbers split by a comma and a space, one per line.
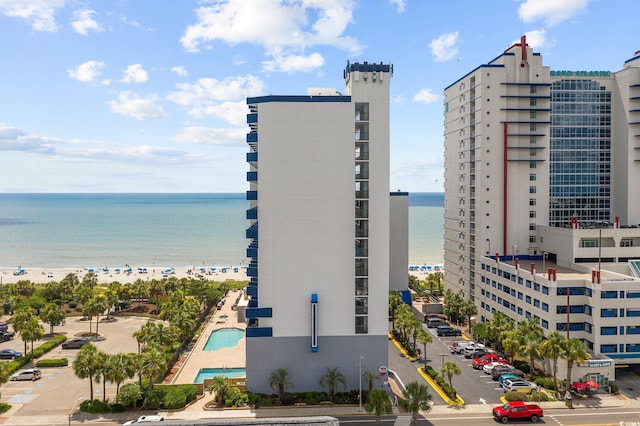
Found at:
[483, 401]
[402, 421]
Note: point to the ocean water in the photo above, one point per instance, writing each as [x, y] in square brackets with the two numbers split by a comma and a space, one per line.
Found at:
[158, 230]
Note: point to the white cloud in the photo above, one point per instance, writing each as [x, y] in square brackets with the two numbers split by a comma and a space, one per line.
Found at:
[40, 14]
[224, 99]
[209, 136]
[133, 105]
[444, 47]
[83, 22]
[134, 74]
[552, 12]
[538, 40]
[179, 70]
[400, 4]
[14, 139]
[281, 28]
[426, 96]
[294, 63]
[87, 71]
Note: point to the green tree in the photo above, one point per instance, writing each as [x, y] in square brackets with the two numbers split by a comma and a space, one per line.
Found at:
[21, 320]
[573, 351]
[416, 398]
[395, 301]
[468, 310]
[32, 331]
[279, 381]
[52, 314]
[512, 343]
[532, 334]
[331, 380]
[118, 369]
[370, 376]
[219, 386]
[153, 365]
[129, 395]
[552, 348]
[378, 403]
[424, 338]
[87, 365]
[450, 369]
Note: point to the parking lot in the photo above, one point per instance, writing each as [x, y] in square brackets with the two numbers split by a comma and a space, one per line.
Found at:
[60, 389]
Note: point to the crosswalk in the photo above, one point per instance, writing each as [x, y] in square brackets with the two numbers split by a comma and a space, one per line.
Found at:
[403, 421]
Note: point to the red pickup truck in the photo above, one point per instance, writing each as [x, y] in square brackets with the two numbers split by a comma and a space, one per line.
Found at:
[517, 410]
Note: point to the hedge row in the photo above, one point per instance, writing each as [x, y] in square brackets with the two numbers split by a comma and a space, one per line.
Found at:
[451, 392]
[13, 366]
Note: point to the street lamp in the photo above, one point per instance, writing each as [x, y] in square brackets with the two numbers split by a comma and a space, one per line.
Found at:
[73, 407]
[442, 360]
[360, 382]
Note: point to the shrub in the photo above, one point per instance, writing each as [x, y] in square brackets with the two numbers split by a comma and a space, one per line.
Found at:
[235, 398]
[73, 304]
[515, 396]
[174, 398]
[614, 388]
[190, 392]
[522, 365]
[95, 406]
[539, 397]
[549, 384]
[53, 362]
[151, 402]
[287, 398]
[4, 407]
[129, 395]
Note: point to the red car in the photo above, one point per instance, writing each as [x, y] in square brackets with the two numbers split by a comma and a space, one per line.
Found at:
[478, 363]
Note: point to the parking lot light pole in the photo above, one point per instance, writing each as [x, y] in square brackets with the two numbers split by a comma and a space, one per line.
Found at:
[442, 357]
[360, 382]
[73, 407]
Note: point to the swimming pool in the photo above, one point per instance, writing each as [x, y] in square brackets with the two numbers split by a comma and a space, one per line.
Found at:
[223, 338]
[210, 373]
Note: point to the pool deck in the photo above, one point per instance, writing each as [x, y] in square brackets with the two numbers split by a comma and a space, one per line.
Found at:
[198, 358]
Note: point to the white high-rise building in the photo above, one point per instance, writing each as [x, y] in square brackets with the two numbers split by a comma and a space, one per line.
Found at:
[320, 231]
[541, 214]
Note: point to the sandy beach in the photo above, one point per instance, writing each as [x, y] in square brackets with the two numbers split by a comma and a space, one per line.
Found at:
[8, 276]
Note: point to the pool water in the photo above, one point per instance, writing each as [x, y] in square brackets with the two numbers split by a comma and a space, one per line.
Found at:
[210, 373]
[223, 338]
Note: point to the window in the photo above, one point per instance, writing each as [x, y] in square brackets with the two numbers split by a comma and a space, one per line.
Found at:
[532, 239]
[545, 307]
[532, 102]
[532, 177]
[632, 347]
[545, 289]
[609, 294]
[626, 242]
[532, 114]
[532, 214]
[633, 312]
[545, 324]
[362, 286]
[532, 201]
[608, 349]
[608, 313]
[533, 164]
[633, 294]
[362, 305]
[532, 127]
[362, 325]
[532, 190]
[633, 329]
[528, 299]
[532, 89]
[608, 331]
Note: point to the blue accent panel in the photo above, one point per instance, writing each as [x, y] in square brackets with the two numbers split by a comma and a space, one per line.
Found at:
[297, 98]
[367, 67]
[252, 272]
[252, 137]
[314, 297]
[406, 296]
[252, 231]
[399, 194]
[252, 195]
[252, 118]
[252, 252]
[252, 213]
[252, 176]
[252, 291]
[259, 313]
[252, 157]
[253, 303]
[259, 332]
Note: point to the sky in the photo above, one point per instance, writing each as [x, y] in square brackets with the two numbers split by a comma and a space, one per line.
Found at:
[150, 95]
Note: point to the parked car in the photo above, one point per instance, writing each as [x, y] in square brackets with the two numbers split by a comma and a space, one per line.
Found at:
[28, 374]
[75, 343]
[479, 362]
[499, 371]
[9, 354]
[502, 379]
[475, 352]
[459, 347]
[517, 410]
[519, 386]
[146, 419]
[435, 322]
[447, 330]
[7, 335]
[488, 368]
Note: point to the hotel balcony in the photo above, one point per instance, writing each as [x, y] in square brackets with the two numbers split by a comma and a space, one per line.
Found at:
[252, 176]
[252, 231]
[252, 137]
[252, 213]
[252, 195]
[252, 157]
[259, 313]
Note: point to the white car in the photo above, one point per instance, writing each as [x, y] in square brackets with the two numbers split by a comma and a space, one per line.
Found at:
[28, 374]
[519, 386]
[146, 419]
[489, 367]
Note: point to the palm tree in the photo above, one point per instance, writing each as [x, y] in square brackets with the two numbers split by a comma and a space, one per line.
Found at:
[103, 372]
[21, 319]
[52, 314]
[219, 386]
[332, 378]
[532, 334]
[395, 301]
[153, 364]
[512, 342]
[468, 310]
[370, 376]
[498, 325]
[378, 403]
[32, 331]
[424, 337]
[552, 348]
[279, 381]
[573, 351]
[450, 369]
[118, 369]
[416, 398]
[87, 364]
